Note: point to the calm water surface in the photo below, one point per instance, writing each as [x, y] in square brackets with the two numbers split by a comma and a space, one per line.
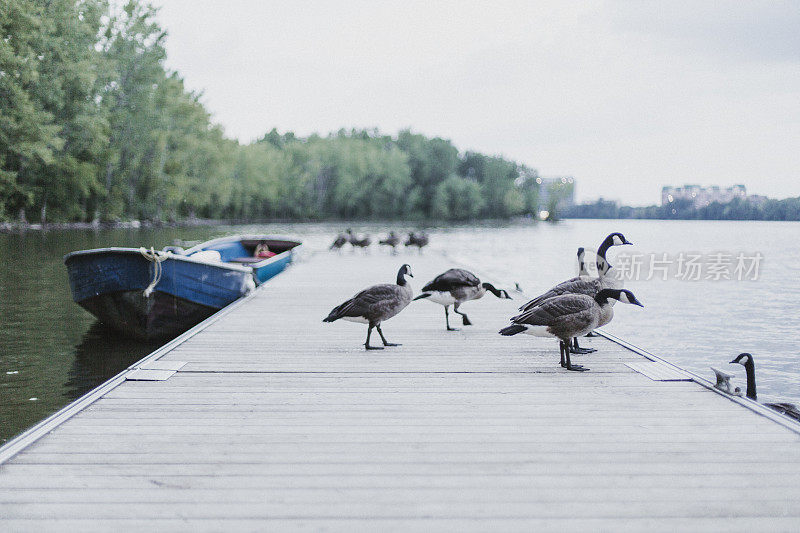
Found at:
[51, 351]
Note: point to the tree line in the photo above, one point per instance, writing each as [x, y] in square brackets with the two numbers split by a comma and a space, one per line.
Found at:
[93, 127]
[787, 209]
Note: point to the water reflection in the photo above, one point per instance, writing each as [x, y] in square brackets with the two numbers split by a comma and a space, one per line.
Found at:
[100, 355]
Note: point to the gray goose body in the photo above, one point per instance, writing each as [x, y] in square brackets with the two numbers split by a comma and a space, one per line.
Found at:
[340, 241]
[420, 240]
[375, 304]
[391, 240]
[454, 287]
[567, 316]
[587, 285]
[358, 242]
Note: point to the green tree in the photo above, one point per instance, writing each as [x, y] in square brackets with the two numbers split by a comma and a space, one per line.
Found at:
[458, 198]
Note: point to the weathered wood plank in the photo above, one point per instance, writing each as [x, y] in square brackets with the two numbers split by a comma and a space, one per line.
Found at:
[280, 419]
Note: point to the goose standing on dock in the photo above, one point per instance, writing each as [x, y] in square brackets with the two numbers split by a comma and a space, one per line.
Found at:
[455, 287]
[375, 304]
[583, 284]
[746, 360]
[362, 242]
[420, 240]
[567, 316]
[340, 241]
[391, 240]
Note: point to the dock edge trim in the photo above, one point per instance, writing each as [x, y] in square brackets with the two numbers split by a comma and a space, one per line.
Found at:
[34, 433]
[747, 403]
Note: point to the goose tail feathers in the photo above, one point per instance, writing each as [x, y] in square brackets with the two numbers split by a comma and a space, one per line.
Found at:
[513, 329]
[338, 312]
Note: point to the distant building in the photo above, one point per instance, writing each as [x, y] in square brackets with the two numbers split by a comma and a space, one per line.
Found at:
[702, 196]
[561, 186]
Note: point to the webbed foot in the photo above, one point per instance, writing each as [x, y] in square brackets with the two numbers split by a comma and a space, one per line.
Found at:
[581, 351]
[577, 368]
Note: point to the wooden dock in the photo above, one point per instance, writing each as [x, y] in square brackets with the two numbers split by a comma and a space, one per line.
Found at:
[277, 421]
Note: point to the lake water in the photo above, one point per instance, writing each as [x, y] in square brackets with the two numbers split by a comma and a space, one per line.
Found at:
[51, 351]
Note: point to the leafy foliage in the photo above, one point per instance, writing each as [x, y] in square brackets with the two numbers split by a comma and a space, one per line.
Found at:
[94, 127]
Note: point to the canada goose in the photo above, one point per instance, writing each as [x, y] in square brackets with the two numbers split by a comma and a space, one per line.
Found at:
[746, 360]
[340, 241]
[358, 242]
[420, 240]
[583, 273]
[455, 287]
[567, 316]
[586, 285]
[391, 240]
[375, 304]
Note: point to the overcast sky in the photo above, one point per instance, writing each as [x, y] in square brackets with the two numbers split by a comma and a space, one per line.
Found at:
[624, 96]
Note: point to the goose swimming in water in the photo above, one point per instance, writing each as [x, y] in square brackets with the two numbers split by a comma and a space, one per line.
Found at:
[584, 284]
[375, 304]
[455, 287]
[567, 316]
[746, 360]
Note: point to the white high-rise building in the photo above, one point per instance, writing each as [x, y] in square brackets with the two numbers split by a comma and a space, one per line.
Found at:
[702, 196]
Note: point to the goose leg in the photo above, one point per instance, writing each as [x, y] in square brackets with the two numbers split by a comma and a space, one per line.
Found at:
[561, 352]
[570, 366]
[578, 350]
[464, 318]
[366, 344]
[447, 319]
[378, 327]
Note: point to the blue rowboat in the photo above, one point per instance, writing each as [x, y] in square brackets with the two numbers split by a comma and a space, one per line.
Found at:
[245, 249]
[158, 294]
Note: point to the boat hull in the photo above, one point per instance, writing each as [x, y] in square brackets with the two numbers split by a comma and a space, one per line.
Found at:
[111, 284]
[157, 317]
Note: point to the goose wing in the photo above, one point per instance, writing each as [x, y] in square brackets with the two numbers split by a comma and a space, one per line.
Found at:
[371, 302]
[573, 286]
[453, 278]
[555, 310]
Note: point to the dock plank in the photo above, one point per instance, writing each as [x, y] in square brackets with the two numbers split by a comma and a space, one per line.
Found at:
[279, 421]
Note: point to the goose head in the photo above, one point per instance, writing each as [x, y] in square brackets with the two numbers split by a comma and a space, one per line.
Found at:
[746, 360]
[404, 271]
[743, 359]
[500, 293]
[616, 239]
[623, 295]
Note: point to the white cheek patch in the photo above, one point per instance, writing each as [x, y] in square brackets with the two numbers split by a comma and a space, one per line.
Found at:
[623, 297]
[617, 240]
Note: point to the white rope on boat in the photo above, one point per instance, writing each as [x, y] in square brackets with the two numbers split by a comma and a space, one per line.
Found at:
[156, 258]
